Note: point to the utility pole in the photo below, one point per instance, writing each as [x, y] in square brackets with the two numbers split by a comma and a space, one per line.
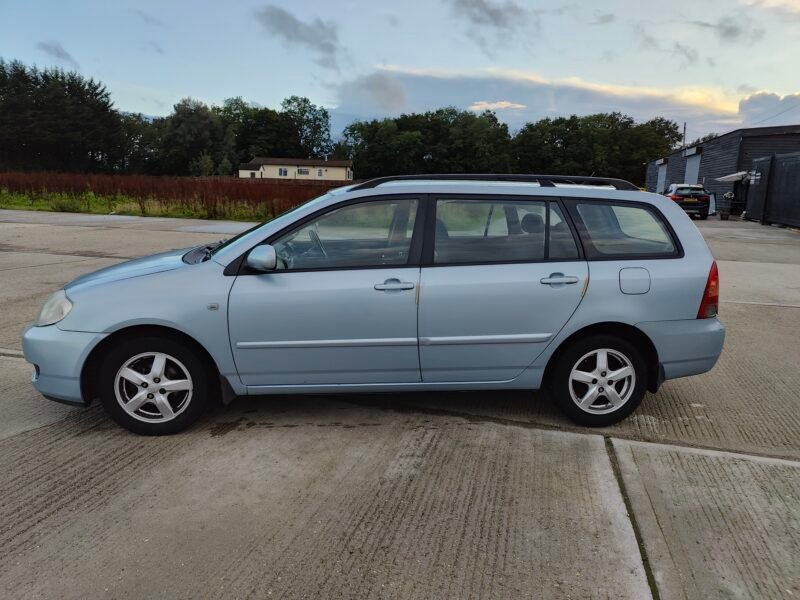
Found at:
[684, 134]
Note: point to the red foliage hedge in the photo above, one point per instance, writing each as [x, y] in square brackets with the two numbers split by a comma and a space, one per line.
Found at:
[212, 194]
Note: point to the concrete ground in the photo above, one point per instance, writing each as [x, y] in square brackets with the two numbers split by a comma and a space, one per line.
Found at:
[696, 495]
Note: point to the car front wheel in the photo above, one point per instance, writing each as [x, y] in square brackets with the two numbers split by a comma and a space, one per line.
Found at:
[153, 385]
[599, 380]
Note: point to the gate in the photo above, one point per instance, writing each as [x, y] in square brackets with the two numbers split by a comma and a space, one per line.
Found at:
[774, 194]
[757, 190]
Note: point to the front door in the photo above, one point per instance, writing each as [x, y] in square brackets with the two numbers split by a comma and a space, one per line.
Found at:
[341, 306]
[505, 278]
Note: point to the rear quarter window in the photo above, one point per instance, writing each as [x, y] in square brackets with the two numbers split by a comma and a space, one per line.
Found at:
[622, 230]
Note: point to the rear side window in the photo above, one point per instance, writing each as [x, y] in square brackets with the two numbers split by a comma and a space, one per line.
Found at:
[610, 230]
[471, 231]
[561, 244]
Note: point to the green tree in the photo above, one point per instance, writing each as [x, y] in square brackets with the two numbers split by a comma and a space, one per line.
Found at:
[142, 140]
[259, 131]
[313, 123]
[191, 131]
[202, 166]
[704, 138]
[442, 141]
[225, 167]
[604, 144]
[54, 119]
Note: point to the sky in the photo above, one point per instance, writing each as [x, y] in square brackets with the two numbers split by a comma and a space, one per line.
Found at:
[716, 64]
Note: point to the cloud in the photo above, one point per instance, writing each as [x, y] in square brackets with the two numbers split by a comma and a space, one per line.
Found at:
[392, 18]
[534, 97]
[731, 30]
[57, 51]
[380, 89]
[767, 109]
[646, 41]
[155, 47]
[687, 53]
[148, 18]
[321, 37]
[746, 88]
[492, 23]
[603, 18]
[783, 8]
[608, 56]
[506, 16]
[483, 105]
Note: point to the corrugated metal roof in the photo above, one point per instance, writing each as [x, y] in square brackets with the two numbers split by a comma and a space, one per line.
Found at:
[744, 132]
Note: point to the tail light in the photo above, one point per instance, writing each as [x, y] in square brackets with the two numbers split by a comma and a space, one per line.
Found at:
[710, 302]
[676, 198]
[703, 198]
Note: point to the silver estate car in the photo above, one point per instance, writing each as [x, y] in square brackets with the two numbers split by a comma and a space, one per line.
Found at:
[585, 286]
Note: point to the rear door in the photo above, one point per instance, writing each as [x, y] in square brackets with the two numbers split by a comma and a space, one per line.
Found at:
[501, 276]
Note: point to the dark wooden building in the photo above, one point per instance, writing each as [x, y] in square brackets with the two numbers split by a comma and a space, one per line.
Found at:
[724, 155]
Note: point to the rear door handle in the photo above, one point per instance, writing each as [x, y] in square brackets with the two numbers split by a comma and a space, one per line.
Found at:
[394, 284]
[558, 278]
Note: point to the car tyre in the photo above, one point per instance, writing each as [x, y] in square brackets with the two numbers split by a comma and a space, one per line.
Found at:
[154, 385]
[703, 216]
[599, 380]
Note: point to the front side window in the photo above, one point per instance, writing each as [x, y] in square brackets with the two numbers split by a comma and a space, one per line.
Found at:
[319, 172]
[485, 231]
[302, 171]
[610, 230]
[370, 234]
[282, 172]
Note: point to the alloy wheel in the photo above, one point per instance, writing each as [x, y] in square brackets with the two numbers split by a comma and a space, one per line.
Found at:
[153, 387]
[602, 381]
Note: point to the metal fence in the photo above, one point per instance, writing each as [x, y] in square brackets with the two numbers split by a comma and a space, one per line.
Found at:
[774, 191]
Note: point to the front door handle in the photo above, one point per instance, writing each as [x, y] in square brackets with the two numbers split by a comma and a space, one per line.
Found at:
[391, 285]
[558, 279]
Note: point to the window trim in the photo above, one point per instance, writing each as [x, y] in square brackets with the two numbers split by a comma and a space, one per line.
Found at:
[430, 229]
[572, 206]
[239, 266]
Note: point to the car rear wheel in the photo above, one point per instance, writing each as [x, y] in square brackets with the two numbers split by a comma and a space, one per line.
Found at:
[599, 380]
[153, 385]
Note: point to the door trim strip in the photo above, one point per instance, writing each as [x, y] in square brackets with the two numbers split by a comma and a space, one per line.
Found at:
[521, 338]
[347, 343]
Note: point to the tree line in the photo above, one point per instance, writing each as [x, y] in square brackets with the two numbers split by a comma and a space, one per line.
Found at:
[51, 119]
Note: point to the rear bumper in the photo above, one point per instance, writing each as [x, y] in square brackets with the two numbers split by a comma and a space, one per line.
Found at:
[698, 208]
[686, 347]
[58, 357]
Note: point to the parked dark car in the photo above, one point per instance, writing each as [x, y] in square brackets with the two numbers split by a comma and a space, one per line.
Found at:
[692, 198]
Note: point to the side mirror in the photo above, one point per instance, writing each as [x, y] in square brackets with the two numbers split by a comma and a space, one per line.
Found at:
[262, 258]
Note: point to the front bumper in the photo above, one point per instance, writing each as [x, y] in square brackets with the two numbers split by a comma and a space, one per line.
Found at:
[686, 347]
[58, 357]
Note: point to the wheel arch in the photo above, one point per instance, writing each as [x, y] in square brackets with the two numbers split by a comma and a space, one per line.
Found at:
[92, 363]
[630, 333]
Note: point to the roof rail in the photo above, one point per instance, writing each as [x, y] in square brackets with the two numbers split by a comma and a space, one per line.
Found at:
[542, 180]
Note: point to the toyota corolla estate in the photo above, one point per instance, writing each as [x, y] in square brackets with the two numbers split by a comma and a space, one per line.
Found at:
[585, 286]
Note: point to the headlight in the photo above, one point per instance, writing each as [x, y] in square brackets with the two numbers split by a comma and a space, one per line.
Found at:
[56, 308]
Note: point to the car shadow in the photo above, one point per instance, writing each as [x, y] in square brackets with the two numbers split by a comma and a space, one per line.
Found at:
[515, 407]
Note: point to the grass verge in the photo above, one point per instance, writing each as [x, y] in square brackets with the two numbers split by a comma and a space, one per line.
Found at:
[88, 202]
